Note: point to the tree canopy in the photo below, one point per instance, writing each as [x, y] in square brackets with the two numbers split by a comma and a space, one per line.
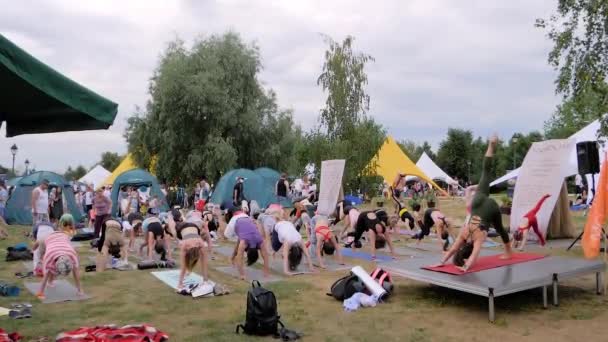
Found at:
[209, 113]
[579, 32]
[110, 160]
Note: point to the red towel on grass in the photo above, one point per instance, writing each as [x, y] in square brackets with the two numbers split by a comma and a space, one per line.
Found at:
[128, 333]
[486, 263]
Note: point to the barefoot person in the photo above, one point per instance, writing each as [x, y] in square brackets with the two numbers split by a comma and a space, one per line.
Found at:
[485, 207]
[154, 239]
[468, 245]
[434, 217]
[323, 239]
[529, 221]
[347, 213]
[192, 249]
[375, 224]
[249, 241]
[60, 259]
[285, 236]
[111, 243]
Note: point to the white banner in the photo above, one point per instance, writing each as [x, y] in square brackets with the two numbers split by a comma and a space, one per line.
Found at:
[331, 183]
[546, 165]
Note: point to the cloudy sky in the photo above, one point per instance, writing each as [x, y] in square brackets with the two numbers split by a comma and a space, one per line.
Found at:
[475, 64]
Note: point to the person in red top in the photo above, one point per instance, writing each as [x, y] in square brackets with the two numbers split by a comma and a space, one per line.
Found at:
[529, 221]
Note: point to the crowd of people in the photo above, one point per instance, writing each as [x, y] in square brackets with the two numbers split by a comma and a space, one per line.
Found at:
[293, 236]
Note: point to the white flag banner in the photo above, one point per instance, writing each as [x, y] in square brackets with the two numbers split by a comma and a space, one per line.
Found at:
[331, 183]
[542, 173]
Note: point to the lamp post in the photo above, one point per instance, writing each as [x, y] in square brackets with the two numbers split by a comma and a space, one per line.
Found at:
[514, 140]
[14, 150]
[27, 166]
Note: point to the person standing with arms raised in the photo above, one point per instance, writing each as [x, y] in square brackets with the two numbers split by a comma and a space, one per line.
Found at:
[40, 202]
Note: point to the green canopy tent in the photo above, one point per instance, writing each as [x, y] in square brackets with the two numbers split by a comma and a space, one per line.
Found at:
[19, 206]
[37, 99]
[271, 177]
[136, 178]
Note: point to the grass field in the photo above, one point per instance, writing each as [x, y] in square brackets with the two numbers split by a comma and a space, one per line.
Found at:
[417, 312]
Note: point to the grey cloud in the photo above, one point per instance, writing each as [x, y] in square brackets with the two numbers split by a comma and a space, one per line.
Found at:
[470, 64]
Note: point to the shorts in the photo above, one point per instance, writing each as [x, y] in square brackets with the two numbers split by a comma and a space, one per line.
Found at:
[274, 241]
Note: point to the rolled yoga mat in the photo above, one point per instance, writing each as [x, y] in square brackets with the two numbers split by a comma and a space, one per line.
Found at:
[369, 282]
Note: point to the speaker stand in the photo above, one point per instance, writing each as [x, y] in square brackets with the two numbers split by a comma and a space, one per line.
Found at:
[590, 204]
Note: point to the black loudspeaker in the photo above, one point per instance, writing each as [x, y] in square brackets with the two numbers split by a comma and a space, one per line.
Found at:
[588, 157]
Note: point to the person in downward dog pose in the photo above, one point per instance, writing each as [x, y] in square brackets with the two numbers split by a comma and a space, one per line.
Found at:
[60, 259]
[404, 214]
[375, 223]
[285, 236]
[432, 217]
[467, 246]
[347, 213]
[529, 221]
[111, 243]
[192, 249]
[249, 241]
[155, 239]
[323, 239]
[485, 207]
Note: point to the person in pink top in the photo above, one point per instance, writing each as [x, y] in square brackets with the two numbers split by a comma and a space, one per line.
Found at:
[60, 259]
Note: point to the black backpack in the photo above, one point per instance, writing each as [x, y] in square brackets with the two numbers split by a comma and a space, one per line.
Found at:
[345, 287]
[262, 317]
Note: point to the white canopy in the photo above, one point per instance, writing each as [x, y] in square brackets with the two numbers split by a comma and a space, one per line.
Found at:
[96, 176]
[588, 133]
[426, 164]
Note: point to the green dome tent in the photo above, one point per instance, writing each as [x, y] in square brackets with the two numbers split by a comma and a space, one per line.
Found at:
[259, 186]
[271, 177]
[19, 208]
[138, 178]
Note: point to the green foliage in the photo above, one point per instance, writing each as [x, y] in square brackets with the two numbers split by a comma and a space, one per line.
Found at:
[580, 55]
[74, 174]
[414, 151]
[344, 132]
[455, 152]
[209, 113]
[430, 196]
[344, 78]
[110, 160]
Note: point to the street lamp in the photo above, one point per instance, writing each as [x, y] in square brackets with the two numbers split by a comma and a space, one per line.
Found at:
[27, 166]
[514, 140]
[14, 150]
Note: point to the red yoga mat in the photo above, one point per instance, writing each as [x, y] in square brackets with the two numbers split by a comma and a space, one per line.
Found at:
[486, 263]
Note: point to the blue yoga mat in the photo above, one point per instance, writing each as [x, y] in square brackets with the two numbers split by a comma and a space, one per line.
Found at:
[350, 253]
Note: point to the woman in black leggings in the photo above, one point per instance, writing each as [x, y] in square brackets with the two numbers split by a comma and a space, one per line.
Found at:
[375, 223]
[485, 207]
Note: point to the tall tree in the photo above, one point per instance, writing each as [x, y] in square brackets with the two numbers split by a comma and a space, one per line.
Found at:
[75, 174]
[209, 113]
[110, 160]
[343, 77]
[345, 131]
[455, 152]
[580, 54]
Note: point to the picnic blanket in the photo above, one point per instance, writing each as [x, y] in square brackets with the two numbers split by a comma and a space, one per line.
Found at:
[128, 333]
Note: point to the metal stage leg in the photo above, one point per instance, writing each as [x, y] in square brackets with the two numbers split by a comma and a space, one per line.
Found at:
[545, 300]
[555, 299]
[491, 306]
[599, 283]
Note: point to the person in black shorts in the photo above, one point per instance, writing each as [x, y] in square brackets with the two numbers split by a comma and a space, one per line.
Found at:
[155, 239]
[375, 223]
[432, 217]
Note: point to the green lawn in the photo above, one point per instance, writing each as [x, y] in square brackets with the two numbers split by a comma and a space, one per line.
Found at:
[416, 312]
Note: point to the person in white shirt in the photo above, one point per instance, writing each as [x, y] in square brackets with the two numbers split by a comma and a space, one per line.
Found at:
[284, 235]
[40, 202]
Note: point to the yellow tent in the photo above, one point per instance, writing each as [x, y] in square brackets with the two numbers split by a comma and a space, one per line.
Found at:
[125, 165]
[391, 160]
